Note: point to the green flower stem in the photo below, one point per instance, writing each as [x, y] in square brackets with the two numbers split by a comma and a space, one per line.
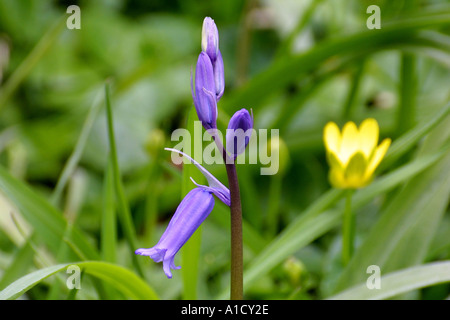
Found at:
[348, 229]
[237, 254]
[236, 292]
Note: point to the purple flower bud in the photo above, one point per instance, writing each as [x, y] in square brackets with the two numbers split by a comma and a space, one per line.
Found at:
[239, 132]
[190, 214]
[210, 39]
[205, 92]
[219, 76]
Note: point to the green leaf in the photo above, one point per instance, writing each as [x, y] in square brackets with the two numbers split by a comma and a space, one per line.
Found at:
[108, 228]
[118, 277]
[399, 282]
[31, 60]
[394, 35]
[404, 143]
[122, 203]
[75, 157]
[47, 221]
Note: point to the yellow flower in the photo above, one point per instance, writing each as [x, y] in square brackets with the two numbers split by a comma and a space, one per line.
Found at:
[353, 155]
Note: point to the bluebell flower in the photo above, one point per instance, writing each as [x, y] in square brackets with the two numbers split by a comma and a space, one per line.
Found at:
[205, 100]
[239, 132]
[209, 76]
[190, 214]
[210, 45]
[210, 38]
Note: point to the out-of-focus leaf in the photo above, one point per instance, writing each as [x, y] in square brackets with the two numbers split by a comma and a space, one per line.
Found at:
[119, 277]
[399, 282]
[47, 221]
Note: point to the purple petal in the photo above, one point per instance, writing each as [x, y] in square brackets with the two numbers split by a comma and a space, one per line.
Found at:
[212, 181]
[190, 214]
[204, 84]
[210, 38]
[219, 76]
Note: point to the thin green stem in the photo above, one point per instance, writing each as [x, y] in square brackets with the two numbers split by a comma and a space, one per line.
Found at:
[124, 210]
[406, 116]
[237, 252]
[237, 264]
[348, 229]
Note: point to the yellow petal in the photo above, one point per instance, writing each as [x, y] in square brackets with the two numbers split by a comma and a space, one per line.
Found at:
[332, 137]
[368, 133]
[354, 174]
[377, 157]
[336, 178]
[350, 142]
[334, 161]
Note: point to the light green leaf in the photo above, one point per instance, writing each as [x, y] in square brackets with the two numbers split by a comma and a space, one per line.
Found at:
[399, 282]
[47, 221]
[394, 35]
[118, 277]
[124, 212]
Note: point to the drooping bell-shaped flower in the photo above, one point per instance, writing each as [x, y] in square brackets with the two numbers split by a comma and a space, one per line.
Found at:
[191, 212]
[239, 132]
[353, 155]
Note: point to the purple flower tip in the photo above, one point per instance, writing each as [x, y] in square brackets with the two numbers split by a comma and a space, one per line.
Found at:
[239, 132]
[210, 38]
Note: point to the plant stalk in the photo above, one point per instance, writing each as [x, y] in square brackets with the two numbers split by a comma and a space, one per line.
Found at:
[237, 255]
[236, 292]
[348, 229]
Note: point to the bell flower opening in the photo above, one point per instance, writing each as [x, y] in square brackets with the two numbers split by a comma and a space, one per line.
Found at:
[353, 154]
[190, 214]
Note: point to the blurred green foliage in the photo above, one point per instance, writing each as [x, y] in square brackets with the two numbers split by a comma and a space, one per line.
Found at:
[297, 64]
